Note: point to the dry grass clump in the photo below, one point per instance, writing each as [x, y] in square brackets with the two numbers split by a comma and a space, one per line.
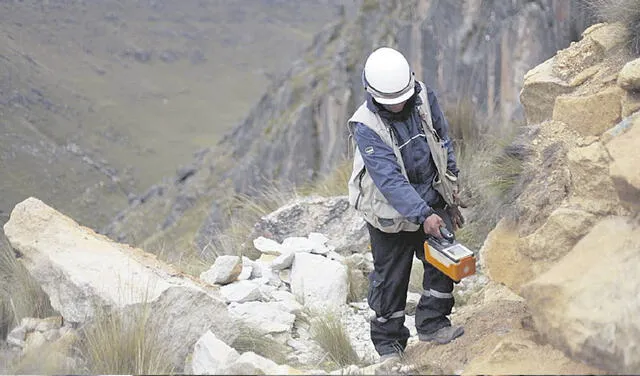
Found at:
[626, 12]
[490, 169]
[242, 213]
[125, 343]
[20, 295]
[329, 333]
[249, 339]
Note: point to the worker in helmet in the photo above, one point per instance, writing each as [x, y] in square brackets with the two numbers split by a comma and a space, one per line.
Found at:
[392, 186]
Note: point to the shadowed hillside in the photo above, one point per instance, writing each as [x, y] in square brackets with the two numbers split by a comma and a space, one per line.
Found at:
[101, 99]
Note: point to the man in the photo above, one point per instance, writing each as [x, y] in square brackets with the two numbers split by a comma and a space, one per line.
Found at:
[393, 187]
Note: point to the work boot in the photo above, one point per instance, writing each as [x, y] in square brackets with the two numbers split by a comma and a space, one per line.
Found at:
[442, 335]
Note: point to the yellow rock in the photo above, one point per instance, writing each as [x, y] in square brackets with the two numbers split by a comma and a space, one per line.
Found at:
[629, 76]
[590, 115]
[625, 167]
[501, 260]
[586, 305]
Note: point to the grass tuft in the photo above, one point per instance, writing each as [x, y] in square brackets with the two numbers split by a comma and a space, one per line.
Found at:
[242, 213]
[250, 340]
[332, 184]
[125, 343]
[329, 333]
[20, 295]
[490, 169]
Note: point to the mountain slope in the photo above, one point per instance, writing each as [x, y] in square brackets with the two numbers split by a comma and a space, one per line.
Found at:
[297, 131]
[101, 99]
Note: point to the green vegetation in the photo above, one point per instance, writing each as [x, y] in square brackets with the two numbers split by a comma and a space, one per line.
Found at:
[626, 12]
[370, 5]
[329, 333]
[243, 211]
[20, 294]
[358, 283]
[250, 340]
[490, 169]
[332, 184]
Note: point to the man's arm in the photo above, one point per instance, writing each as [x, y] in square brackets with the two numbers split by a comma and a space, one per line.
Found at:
[441, 126]
[382, 165]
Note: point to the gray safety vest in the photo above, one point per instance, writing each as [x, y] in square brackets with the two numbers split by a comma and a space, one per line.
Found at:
[366, 198]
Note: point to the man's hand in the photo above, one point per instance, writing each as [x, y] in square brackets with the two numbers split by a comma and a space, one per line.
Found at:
[456, 217]
[432, 225]
[456, 198]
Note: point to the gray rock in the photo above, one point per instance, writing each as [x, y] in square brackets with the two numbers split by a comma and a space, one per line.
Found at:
[241, 291]
[250, 363]
[318, 282]
[17, 337]
[268, 246]
[225, 270]
[263, 317]
[211, 355]
[283, 261]
[82, 271]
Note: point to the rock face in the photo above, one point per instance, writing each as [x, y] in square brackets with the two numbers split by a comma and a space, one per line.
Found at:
[574, 244]
[345, 228]
[82, 271]
[472, 50]
[587, 303]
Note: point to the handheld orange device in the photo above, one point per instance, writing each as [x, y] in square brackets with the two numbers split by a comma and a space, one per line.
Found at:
[449, 256]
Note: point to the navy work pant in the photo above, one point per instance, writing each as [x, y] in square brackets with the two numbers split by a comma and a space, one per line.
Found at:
[388, 284]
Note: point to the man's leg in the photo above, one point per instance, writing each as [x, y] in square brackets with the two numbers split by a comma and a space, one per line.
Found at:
[388, 283]
[436, 301]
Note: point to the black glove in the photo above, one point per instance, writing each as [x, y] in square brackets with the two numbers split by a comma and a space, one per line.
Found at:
[456, 217]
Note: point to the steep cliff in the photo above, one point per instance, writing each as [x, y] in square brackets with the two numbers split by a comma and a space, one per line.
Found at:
[472, 50]
[573, 246]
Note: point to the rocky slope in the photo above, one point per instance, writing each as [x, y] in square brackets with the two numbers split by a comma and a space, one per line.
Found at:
[101, 99]
[472, 50]
[306, 270]
[573, 241]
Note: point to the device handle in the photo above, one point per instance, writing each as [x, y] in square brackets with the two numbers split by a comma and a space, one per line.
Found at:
[446, 234]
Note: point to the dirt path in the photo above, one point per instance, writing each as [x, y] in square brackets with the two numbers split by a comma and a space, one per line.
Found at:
[499, 339]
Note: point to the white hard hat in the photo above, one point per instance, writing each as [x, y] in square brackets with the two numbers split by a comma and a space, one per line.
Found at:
[387, 76]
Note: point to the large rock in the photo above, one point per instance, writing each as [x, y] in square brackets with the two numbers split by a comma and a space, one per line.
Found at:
[224, 270]
[590, 115]
[629, 76]
[263, 318]
[587, 303]
[624, 169]
[250, 363]
[211, 355]
[318, 282]
[538, 95]
[82, 271]
[332, 217]
[592, 189]
[556, 237]
[500, 259]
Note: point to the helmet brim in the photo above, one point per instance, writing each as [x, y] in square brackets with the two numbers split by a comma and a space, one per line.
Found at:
[402, 98]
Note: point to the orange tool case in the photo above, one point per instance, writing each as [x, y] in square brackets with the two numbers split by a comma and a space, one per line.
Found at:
[449, 256]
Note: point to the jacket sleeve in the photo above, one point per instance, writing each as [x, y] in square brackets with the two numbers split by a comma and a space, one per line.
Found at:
[441, 126]
[381, 164]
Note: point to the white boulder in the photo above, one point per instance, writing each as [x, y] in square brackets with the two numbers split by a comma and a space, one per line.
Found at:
[318, 282]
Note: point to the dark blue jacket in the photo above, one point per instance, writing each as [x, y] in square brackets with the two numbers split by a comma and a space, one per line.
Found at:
[415, 198]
